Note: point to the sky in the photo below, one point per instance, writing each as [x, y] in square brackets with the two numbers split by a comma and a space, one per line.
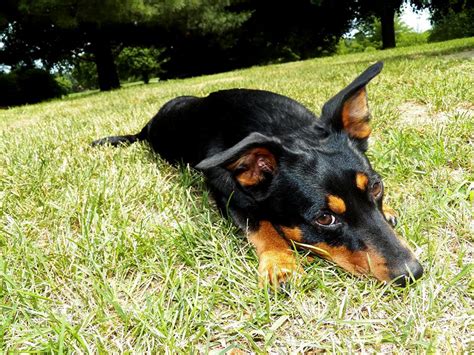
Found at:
[419, 22]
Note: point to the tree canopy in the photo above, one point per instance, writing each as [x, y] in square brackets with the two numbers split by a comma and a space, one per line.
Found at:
[53, 30]
[275, 31]
[132, 37]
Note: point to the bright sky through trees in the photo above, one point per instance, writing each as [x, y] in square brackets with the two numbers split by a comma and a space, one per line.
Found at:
[419, 22]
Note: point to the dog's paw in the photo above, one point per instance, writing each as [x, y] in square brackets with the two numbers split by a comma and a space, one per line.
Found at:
[390, 216]
[277, 267]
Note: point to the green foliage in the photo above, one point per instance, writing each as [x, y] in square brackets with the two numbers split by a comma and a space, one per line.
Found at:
[57, 30]
[65, 82]
[84, 73]
[442, 8]
[206, 16]
[140, 63]
[453, 25]
[411, 38]
[72, 14]
[369, 37]
[385, 11]
[28, 86]
[202, 17]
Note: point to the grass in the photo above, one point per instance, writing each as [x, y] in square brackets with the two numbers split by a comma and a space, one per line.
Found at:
[113, 250]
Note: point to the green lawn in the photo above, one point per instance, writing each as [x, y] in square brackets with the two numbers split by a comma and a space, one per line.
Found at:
[113, 250]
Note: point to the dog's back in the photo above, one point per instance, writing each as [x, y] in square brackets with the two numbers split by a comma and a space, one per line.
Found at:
[189, 129]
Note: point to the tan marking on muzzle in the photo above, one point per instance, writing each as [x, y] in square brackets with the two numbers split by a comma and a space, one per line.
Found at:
[356, 262]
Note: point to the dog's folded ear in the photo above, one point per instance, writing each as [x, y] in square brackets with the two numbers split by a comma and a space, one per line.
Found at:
[348, 110]
[251, 161]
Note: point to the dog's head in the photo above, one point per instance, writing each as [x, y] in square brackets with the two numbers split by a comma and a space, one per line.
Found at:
[318, 188]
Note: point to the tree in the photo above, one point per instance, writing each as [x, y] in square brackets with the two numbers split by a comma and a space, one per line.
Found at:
[275, 31]
[281, 30]
[368, 36]
[140, 62]
[441, 8]
[74, 25]
[453, 25]
[385, 11]
[83, 73]
[451, 19]
[83, 26]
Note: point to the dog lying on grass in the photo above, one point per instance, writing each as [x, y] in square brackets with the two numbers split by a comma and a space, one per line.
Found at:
[287, 177]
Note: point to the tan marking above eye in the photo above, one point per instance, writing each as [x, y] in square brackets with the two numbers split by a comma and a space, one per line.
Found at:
[362, 181]
[336, 204]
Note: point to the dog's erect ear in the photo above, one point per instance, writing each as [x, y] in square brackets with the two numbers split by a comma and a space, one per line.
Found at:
[251, 161]
[348, 110]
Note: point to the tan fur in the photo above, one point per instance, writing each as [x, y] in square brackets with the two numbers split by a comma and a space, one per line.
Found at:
[253, 163]
[336, 204]
[388, 212]
[276, 260]
[362, 181]
[356, 262]
[293, 233]
[355, 116]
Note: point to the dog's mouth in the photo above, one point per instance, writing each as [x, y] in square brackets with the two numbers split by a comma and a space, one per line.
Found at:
[369, 262]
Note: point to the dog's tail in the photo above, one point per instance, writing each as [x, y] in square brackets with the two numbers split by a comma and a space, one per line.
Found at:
[115, 141]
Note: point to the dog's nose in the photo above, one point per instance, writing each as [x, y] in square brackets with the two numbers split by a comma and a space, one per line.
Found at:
[409, 272]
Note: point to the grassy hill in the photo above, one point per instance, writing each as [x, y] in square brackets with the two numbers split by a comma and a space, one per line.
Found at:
[113, 250]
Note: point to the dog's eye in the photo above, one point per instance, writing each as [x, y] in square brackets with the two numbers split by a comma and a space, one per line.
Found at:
[377, 189]
[326, 219]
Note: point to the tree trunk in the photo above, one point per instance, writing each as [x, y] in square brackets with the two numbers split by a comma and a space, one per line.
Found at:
[146, 77]
[104, 60]
[387, 19]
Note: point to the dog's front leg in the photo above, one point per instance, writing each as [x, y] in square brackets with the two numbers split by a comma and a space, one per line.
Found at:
[390, 215]
[277, 261]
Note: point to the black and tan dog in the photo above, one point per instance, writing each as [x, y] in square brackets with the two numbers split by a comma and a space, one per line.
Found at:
[287, 177]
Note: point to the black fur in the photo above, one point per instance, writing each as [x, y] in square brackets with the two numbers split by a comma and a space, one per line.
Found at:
[314, 157]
